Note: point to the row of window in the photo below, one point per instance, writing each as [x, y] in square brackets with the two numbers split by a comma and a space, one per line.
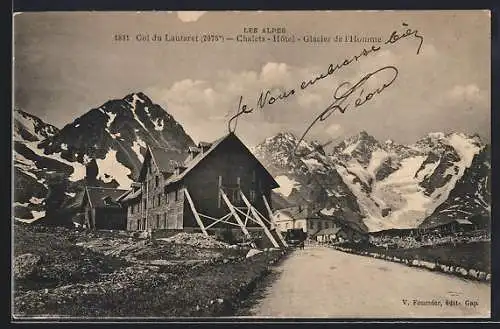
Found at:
[155, 201]
[233, 194]
[161, 221]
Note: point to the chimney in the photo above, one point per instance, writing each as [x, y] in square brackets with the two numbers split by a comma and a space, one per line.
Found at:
[179, 169]
[193, 152]
[204, 146]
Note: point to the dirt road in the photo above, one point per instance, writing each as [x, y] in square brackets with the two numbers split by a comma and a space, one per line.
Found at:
[322, 282]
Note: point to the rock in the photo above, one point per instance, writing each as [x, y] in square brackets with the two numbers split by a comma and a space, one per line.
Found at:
[25, 265]
[488, 277]
[252, 252]
[482, 276]
[225, 260]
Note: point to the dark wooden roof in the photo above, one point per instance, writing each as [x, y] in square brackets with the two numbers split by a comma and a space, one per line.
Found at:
[279, 202]
[163, 160]
[193, 163]
[97, 195]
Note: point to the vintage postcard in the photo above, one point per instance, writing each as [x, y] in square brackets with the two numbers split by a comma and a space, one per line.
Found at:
[257, 164]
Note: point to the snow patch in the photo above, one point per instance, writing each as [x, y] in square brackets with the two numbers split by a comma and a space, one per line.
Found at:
[378, 156]
[110, 168]
[112, 117]
[436, 135]
[79, 170]
[328, 212]
[136, 147]
[158, 124]
[312, 164]
[35, 200]
[64, 147]
[135, 98]
[37, 214]
[349, 149]
[427, 170]
[286, 185]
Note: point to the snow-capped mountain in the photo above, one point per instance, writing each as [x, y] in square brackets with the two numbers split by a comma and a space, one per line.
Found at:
[309, 178]
[30, 186]
[113, 136]
[391, 185]
[471, 197]
[28, 127]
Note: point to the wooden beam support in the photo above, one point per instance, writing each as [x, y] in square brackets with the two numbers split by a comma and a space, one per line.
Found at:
[235, 214]
[259, 220]
[273, 221]
[247, 216]
[195, 213]
[222, 219]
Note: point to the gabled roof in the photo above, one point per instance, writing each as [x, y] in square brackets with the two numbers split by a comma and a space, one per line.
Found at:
[446, 222]
[132, 195]
[295, 212]
[463, 221]
[96, 195]
[279, 202]
[163, 160]
[190, 165]
[166, 160]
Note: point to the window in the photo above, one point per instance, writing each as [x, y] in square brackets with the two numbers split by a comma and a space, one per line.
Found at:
[235, 195]
[165, 220]
[159, 199]
[158, 221]
[157, 181]
[326, 225]
[252, 195]
[144, 205]
[131, 208]
[166, 197]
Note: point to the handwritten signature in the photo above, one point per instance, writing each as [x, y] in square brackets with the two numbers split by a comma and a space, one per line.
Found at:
[340, 99]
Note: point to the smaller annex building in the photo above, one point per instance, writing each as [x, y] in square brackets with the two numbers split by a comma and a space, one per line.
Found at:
[102, 210]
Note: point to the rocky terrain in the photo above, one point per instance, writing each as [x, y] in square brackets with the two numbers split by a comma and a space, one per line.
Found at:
[63, 273]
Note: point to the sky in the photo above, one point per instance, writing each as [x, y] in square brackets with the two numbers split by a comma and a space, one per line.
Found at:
[67, 63]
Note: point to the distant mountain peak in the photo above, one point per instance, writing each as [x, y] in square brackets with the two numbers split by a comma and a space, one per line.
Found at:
[29, 127]
[139, 96]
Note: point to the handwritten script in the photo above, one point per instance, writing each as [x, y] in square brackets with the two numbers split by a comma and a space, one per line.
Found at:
[346, 95]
